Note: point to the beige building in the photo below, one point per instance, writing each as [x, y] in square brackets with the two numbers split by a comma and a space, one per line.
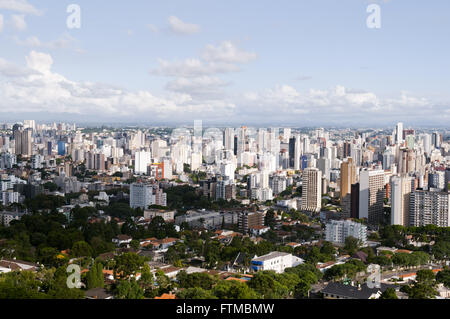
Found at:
[167, 215]
[348, 178]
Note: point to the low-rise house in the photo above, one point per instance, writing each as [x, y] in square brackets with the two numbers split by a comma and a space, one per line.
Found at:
[383, 250]
[361, 256]
[336, 290]
[120, 240]
[277, 261]
[193, 270]
[158, 244]
[324, 266]
[8, 265]
[171, 271]
[443, 291]
[167, 296]
[167, 242]
[98, 293]
[259, 230]
[293, 245]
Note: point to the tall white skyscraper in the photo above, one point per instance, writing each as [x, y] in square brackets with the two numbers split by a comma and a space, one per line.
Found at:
[400, 198]
[312, 190]
[286, 135]
[399, 134]
[142, 160]
[297, 153]
[426, 140]
[229, 139]
[306, 145]
[29, 124]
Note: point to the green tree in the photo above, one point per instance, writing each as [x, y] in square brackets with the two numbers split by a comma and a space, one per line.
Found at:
[135, 244]
[302, 289]
[444, 277]
[233, 290]
[269, 219]
[195, 293]
[424, 286]
[162, 280]
[127, 264]
[129, 289]
[81, 249]
[351, 245]
[389, 293]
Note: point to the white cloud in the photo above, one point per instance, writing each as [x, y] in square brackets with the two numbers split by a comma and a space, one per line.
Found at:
[38, 61]
[1, 23]
[11, 70]
[198, 76]
[65, 41]
[200, 87]
[38, 89]
[214, 60]
[192, 68]
[180, 27]
[18, 22]
[227, 52]
[338, 104]
[21, 6]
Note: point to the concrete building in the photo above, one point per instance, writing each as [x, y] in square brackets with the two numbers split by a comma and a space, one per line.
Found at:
[207, 219]
[142, 160]
[167, 215]
[248, 220]
[140, 195]
[430, 208]
[312, 190]
[371, 195]
[22, 140]
[348, 178]
[275, 261]
[400, 188]
[338, 230]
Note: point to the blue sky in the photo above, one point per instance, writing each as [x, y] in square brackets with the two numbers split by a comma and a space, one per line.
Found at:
[311, 62]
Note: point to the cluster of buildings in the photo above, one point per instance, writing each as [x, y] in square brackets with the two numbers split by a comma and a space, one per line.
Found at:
[367, 170]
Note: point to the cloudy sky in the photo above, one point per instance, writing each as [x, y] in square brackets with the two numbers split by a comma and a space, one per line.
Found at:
[296, 62]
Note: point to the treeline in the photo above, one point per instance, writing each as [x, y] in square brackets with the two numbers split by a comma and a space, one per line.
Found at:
[40, 237]
[293, 283]
[435, 239]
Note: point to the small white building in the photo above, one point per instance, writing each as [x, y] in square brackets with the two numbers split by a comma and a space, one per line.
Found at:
[277, 261]
[120, 240]
[167, 215]
[259, 230]
[102, 196]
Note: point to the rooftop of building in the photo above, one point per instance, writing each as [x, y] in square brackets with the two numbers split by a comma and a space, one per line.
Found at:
[269, 256]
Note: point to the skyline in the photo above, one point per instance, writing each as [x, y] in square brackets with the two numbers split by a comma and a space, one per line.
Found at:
[224, 125]
[301, 64]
